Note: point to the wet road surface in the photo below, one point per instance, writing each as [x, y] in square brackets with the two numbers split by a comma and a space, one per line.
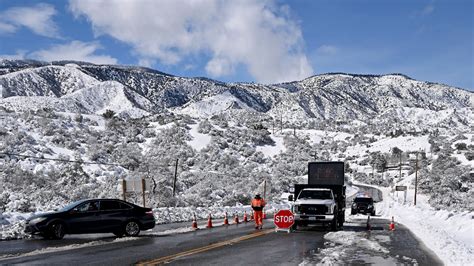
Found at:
[232, 245]
[238, 245]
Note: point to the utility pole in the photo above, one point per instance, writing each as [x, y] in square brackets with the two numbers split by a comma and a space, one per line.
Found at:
[373, 170]
[416, 177]
[175, 176]
[273, 123]
[143, 192]
[264, 188]
[281, 123]
[400, 176]
[124, 189]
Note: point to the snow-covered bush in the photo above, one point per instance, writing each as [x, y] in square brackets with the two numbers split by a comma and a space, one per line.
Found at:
[448, 183]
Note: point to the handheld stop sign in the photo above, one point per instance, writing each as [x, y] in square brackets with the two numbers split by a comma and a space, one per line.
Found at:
[284, 219]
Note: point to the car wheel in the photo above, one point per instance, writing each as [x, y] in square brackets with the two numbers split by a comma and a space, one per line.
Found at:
[373, 213]
[132, 228]
[353, 212]
[57, 230]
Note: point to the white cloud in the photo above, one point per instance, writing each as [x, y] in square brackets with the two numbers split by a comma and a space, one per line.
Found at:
[20, 54]
[75, 50]
[259, 35]
[37, 18]
[219, 67]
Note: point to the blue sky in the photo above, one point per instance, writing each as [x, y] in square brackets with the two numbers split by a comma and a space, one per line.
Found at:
[263, 41]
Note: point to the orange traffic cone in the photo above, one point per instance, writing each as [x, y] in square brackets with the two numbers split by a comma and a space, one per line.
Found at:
[236, 219]
[368, 227]
[245, 217]
[226, 221]
[209, 221]
[195, 224]
[392, 225]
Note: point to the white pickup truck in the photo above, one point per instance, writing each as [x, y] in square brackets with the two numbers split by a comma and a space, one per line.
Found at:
[315, 205]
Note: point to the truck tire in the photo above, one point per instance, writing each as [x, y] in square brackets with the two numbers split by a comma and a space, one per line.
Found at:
[340, 220]
[334, 223]
[294, 227]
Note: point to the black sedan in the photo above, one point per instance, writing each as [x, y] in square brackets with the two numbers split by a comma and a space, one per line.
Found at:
[92, 216]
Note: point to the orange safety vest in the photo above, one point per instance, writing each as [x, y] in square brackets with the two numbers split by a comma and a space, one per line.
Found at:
[258, 204]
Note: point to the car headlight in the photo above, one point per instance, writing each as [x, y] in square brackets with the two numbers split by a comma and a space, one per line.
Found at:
[330, 207]
[295, 208]
[370, 206]
[354, 205]
[37, 220]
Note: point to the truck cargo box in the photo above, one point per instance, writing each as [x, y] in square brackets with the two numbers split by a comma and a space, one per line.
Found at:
[326, 173]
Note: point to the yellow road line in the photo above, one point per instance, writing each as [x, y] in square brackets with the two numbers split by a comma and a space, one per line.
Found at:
[203, 249]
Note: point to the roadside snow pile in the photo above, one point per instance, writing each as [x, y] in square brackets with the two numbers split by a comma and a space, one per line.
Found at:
[343, 243]
[183, 214]
[449, 234]
[354, 238]
[12, 225]
[68, 247]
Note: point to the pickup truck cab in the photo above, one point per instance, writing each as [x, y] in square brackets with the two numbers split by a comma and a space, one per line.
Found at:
[315, 205]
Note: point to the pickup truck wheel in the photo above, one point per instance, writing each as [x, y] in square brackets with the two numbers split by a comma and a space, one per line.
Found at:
[294, 227]
[340, 222]
[334, 224]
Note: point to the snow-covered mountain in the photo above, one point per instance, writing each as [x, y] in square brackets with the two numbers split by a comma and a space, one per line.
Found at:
[223, 140]
[70, 86]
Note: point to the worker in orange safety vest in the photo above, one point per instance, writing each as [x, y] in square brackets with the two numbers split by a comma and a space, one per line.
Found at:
[257, 205]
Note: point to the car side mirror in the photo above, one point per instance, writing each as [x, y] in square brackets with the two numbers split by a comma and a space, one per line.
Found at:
[290, 198]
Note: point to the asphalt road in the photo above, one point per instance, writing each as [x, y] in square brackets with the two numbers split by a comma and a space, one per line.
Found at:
[232, 245]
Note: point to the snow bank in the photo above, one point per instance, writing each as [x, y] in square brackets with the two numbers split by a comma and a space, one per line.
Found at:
[68, 247]
[12, 225]
[449, 234]
[183, 214]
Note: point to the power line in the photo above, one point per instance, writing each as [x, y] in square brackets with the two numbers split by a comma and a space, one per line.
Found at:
[65, 160]
[55, 159]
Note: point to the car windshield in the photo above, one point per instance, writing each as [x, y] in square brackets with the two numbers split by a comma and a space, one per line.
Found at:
[71, 206]
[315, 194]
[363, 200]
